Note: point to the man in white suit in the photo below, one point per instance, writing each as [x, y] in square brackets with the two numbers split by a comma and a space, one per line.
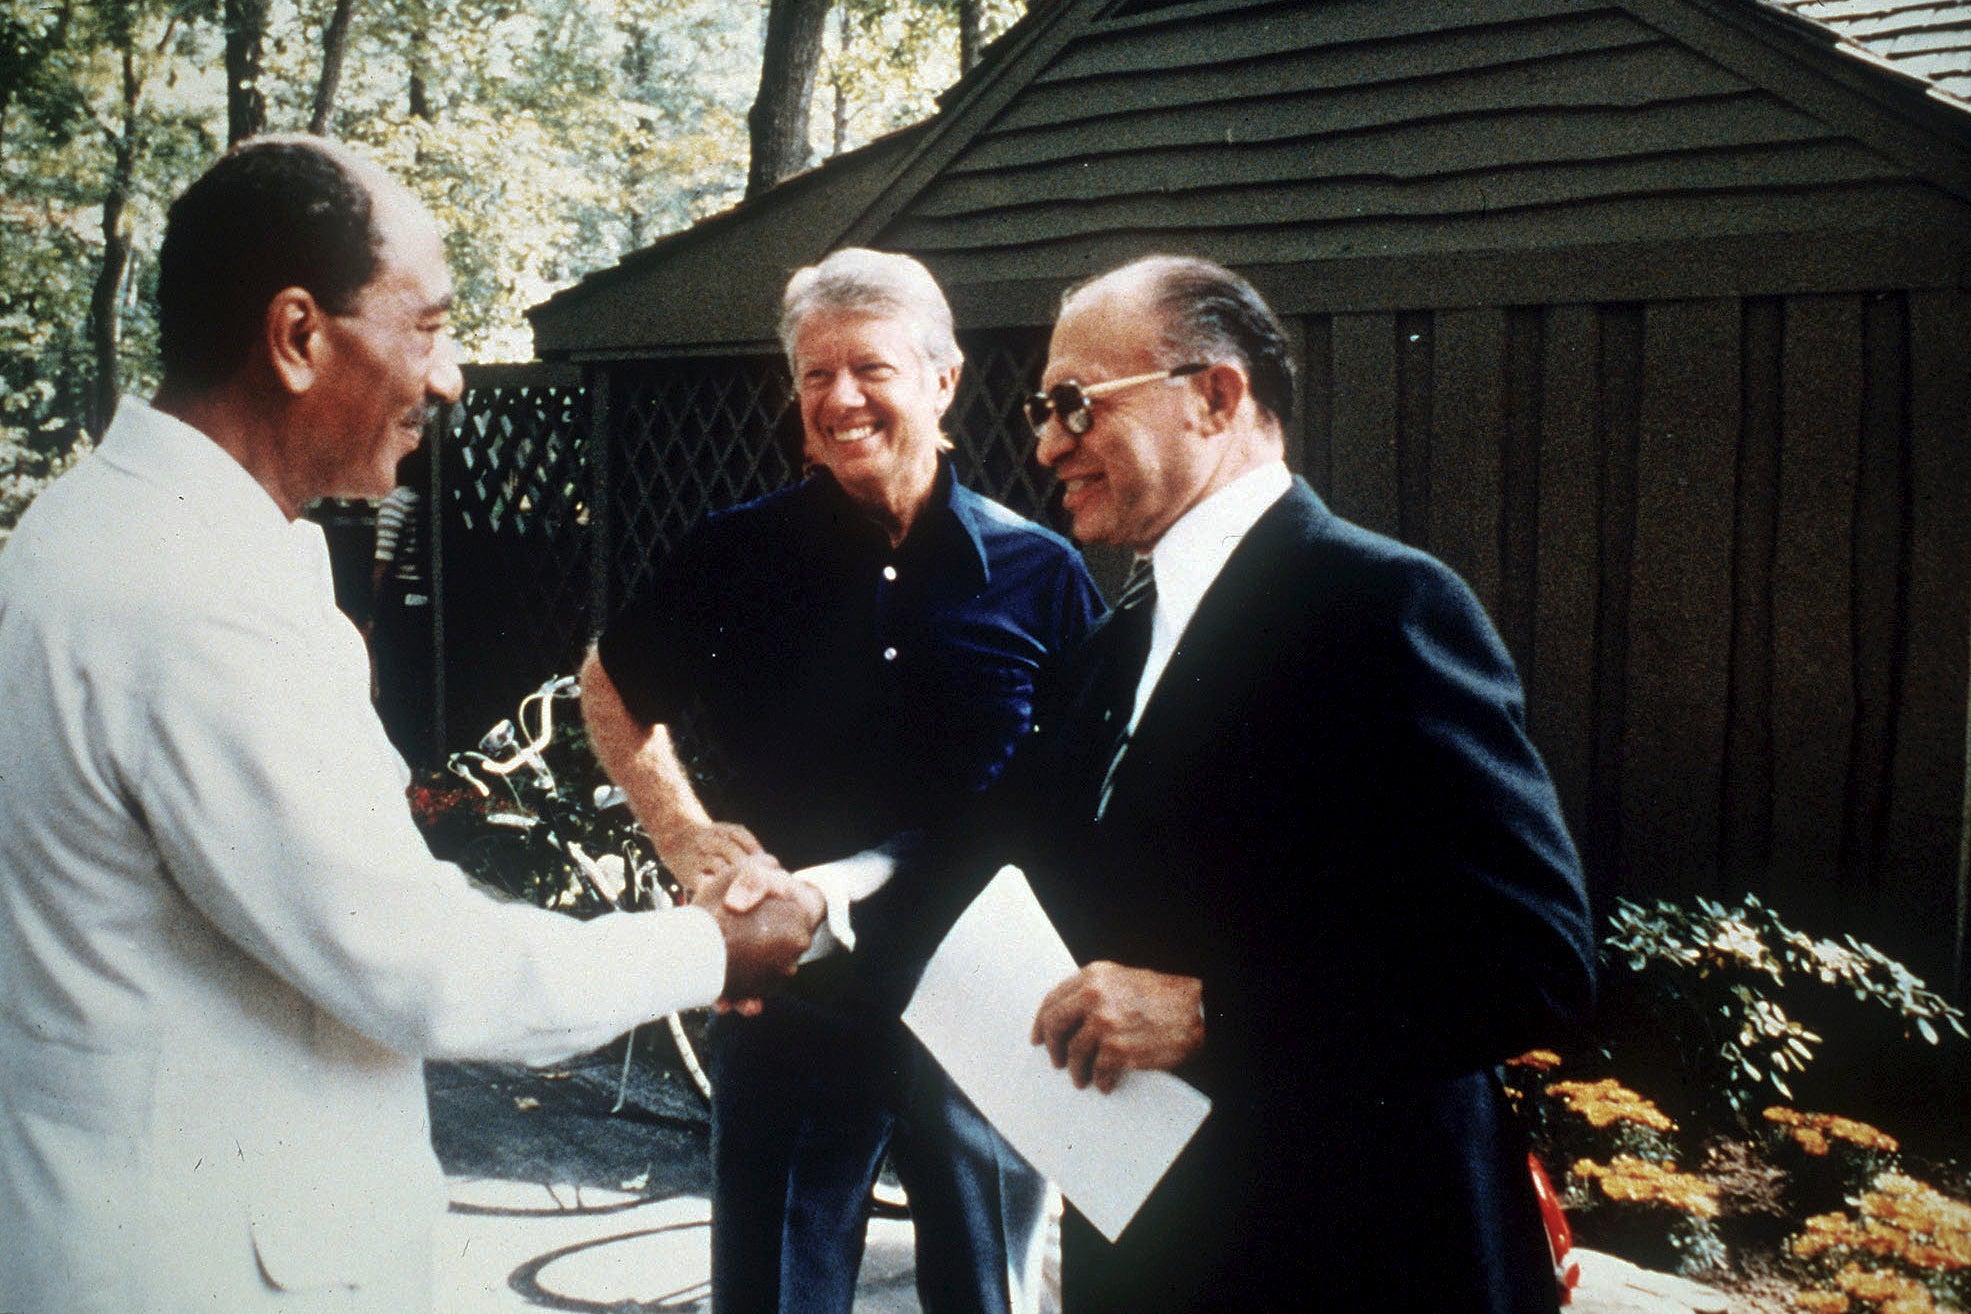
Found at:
[224, 949]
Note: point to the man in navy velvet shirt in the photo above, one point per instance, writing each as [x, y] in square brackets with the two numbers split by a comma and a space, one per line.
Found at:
[858, 655]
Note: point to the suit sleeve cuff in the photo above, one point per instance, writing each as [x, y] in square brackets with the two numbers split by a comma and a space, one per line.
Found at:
[691, 959]
[841, 883]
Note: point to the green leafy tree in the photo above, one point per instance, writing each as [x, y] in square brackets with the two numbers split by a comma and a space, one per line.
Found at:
[550, 136]
[102, 109]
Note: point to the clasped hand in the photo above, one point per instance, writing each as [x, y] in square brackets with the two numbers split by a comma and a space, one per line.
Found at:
[768, 917]
[1106, 1019]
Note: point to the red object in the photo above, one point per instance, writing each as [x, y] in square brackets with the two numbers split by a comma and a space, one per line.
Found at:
[1560, 1237]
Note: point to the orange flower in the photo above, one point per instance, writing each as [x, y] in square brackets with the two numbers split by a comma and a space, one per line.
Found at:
[1901, 1220]
[1811, 1131]
[1892, 1293]
[1638, 1181]
[1608, 1101]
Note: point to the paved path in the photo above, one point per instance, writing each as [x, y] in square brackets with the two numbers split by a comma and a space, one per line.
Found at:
[558, 1203]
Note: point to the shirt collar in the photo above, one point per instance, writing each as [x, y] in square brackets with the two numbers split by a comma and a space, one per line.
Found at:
[162, 449]
[953, 517]
[1191, 552]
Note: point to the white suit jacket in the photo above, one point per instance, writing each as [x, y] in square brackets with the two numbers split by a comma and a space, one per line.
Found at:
[224, 949]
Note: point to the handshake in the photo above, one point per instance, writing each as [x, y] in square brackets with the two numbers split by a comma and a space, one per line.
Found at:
[767, 916]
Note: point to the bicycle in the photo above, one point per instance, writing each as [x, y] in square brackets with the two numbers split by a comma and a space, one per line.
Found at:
[565, 840]
[582, 853]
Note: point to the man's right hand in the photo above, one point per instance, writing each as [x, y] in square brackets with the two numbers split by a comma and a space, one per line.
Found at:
[762, 945]
[709, 852]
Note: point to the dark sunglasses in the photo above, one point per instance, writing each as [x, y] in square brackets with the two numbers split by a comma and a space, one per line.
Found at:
[1067, 401]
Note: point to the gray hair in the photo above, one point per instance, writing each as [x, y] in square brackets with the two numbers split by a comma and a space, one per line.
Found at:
[1212, 314]
[858, 281]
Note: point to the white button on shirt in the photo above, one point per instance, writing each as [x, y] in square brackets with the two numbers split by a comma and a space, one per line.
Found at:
[1187, 560]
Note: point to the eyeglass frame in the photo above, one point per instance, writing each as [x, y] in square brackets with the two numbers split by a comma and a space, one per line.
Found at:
[1049, 406]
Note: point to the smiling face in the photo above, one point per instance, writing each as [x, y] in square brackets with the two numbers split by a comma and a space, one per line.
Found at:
[387, 362]
[1144, 461]
[870, 407]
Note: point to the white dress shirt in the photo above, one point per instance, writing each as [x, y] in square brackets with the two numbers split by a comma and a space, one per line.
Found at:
[1189, 556]
[1186, 560]
[224, 948]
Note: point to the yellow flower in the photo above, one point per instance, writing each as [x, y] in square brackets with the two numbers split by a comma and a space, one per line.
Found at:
[1608, 1101]
[1901, 1220]
[1539, 1060]
[1892, 1293]
[1811, 1131]
[1638, 1181]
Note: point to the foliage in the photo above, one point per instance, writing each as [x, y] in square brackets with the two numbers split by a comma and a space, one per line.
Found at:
[63, 117]
[1827, 1205]
[1904, 1246]
[884, 62]
[550, 136]
[1714, 975]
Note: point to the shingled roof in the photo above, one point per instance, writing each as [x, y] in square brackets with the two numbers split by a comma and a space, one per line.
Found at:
[1361, 145]
[1922, 38]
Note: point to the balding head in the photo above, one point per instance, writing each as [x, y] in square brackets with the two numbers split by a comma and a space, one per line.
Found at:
[1149, 401]
[1210, 314]
[274, 212]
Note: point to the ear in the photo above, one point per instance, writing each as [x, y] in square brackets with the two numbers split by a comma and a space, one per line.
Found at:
[291, 332]
[948, 387]
[1224, 388]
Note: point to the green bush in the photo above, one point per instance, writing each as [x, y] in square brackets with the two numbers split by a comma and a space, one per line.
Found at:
[1708, 980]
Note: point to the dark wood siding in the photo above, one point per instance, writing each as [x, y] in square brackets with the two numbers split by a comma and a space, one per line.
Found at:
[1398, 127]
[1697, 523]
[1650, 316]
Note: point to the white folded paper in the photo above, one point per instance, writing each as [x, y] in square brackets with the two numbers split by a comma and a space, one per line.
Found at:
[974, 1011]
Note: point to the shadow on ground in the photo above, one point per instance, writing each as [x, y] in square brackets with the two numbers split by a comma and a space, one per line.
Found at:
[561, 1200]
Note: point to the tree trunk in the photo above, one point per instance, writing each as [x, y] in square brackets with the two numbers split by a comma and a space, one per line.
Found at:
[419, 18]
[971, 34]
[335, 43]
[246, 39]
[845, 29]
[106, 298]
[778, 121]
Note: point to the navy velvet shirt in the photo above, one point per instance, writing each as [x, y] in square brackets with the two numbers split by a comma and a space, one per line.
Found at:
[834, 690]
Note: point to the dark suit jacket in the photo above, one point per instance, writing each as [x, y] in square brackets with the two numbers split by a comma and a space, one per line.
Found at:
[1331, 814]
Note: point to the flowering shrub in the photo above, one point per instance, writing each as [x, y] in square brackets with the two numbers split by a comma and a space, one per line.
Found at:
[1711, 974]
[1630, 1180]
[1573, 1120]
[1608, 1103]
[1647, 1211]
[1826, 1158]
[1890, 1293]
[1795, 1197]
[1815, 1133]
[1904, 1237]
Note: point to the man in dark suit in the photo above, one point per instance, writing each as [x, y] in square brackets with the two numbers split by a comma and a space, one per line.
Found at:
[1289, 817]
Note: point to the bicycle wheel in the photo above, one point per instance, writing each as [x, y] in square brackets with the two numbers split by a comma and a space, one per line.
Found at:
[686, 1028]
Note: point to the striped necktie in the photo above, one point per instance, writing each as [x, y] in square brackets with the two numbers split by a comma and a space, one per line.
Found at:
[1135, 609]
